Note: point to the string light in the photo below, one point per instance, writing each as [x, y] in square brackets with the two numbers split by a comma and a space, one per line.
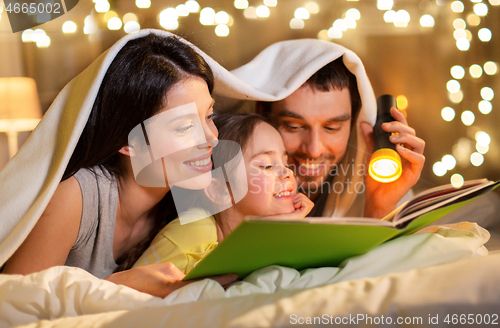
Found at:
[427, 21]
[473, 19]
[457, 72]
[262, 11]
[250, 12]
[182, 10]
[448, 114]
[207, 16]
[296, 23]
[131, 27]
[476, 71]
[468, 118]
[353, 13]
[390, 16]
[487, 93]
[490, 68]
[439, 169]
[222, 30]
[114, 23]
[484, 34]
[312, 7]
[221, 18]
[480, 9]
[456, 97]
[334, 33]
[385, 4]
[192, 6]
[301, 13]
[476, 159]
[143, 4]
[69, 27]
[241, 4]
[463, 44]
[27, 36]
[453, 86]
[402, 18]
[485, 107]
[457, 6]
[449, 162]
[271, 3]
[457, 180]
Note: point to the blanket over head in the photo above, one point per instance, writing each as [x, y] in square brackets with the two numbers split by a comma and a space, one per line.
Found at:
[32, 176]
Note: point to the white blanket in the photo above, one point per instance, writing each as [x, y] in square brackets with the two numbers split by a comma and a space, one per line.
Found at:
[62, 292]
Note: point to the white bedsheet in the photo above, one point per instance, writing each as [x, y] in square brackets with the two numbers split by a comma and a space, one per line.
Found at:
[413, 274]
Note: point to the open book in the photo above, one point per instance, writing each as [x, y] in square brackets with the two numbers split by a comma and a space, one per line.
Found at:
[319, 242]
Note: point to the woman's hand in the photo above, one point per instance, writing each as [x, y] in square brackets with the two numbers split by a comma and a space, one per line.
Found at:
[159, 279]
[382, 198]
[302, 206]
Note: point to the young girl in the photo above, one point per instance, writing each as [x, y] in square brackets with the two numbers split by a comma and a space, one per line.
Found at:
[271, 192]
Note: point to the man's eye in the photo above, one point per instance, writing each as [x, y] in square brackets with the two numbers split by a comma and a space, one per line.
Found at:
[293, 127]
[331, 128]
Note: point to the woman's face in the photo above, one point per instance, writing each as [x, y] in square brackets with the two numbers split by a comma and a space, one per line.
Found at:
[271, 184]
[181, 136]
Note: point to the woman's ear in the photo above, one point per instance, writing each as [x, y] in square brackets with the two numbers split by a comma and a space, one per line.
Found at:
[127, 150]
[218, 192]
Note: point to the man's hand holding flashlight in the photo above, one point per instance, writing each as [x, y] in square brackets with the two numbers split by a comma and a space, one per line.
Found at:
[382, 198]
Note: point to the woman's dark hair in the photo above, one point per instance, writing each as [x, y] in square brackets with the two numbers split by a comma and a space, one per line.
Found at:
[134, 89]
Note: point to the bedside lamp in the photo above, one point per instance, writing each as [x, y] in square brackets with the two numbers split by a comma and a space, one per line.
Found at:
[19, 108]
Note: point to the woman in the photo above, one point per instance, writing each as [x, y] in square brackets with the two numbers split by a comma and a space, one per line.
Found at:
[100, 218]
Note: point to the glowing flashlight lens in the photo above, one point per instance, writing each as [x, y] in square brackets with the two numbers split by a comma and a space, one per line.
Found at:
[385, 167]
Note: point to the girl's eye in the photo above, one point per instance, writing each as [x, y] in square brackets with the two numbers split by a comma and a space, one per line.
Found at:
[184, 129]
[267, 167]
[210, 117]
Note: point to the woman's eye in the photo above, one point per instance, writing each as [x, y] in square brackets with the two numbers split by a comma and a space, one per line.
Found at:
[267, 167]
[210, 117]
[184, 129]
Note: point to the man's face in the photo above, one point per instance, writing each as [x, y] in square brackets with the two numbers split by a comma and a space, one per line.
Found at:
[315, 127]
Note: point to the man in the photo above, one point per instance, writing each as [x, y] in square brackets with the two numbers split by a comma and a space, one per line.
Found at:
[321, 131]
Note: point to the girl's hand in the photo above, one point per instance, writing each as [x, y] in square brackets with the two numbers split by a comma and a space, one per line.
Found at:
[159, 279]
[302, 205]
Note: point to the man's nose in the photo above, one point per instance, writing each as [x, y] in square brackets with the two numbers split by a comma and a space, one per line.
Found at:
[313, 145]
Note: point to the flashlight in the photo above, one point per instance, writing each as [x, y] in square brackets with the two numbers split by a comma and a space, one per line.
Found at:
[385, 163]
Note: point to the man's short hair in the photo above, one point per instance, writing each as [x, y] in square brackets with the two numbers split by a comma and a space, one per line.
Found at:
[332, 76]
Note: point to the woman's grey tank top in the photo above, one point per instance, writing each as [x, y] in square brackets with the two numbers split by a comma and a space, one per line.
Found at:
[93, 249]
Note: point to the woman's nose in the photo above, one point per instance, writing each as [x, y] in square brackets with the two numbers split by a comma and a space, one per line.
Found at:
[210, 137]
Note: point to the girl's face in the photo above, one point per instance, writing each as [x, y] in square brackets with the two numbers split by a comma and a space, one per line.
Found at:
[271, 184]
[180, 137]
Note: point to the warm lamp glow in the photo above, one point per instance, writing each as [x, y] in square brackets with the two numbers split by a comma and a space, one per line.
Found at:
[19, 109]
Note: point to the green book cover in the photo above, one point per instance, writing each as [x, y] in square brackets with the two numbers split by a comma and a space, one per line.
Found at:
[320, 242]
